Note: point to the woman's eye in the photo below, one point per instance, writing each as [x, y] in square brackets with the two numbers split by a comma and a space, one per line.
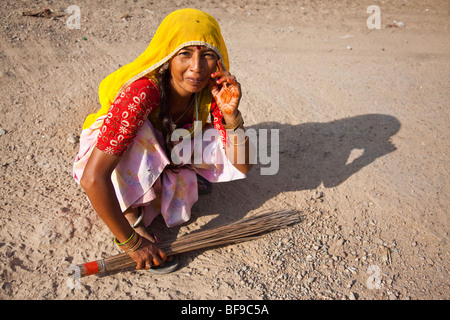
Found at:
[210, 56]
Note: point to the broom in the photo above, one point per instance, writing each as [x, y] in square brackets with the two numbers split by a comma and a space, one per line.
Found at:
[234, 232]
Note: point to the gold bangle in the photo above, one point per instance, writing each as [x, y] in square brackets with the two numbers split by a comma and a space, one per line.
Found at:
[237, 144]
[233, 131]
[136, 246]
[131, 244]
[136, 240]
[236, 124]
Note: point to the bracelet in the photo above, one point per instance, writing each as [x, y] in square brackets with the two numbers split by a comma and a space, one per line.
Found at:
[139, 220]
[237, 144]
[136, 246]
[123, 243]
[232, 131]
[132, 244]
[236, 124]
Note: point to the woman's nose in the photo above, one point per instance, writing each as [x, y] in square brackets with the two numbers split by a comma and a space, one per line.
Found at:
[196, 63]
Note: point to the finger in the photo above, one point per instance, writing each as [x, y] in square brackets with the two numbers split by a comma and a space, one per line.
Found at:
[232, 79]
[220, 74]
[212, 82]
[162, 255]
[214, 87]
[141, 265]
[227, 77]
[156, 261]
[220, 65]
[219, 71]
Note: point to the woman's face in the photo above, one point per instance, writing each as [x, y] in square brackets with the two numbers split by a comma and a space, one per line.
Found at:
[191, 69]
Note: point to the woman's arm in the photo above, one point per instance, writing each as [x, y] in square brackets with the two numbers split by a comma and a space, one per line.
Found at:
[125, 118]
[238, 148]
[227, 94]
[96, 181]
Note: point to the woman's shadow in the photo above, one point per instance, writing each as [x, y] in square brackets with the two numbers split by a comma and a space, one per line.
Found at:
[309, 154]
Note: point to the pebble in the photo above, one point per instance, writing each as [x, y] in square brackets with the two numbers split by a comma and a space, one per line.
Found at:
[353, 269]
[318, 194]
[378, 241]
[2, 132]
[391, 296]
[310, 280]
[73, 138]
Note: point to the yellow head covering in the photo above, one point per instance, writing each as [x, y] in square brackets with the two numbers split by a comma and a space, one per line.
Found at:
[181, 28]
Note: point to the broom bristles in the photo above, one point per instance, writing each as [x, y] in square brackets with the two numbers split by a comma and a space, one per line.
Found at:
[235, 232]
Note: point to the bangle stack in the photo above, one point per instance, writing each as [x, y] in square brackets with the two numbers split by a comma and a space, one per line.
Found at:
[132, 244]
[237, 144]
[236, 124]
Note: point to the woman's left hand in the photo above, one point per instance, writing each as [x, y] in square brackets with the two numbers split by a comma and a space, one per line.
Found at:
[226, 91]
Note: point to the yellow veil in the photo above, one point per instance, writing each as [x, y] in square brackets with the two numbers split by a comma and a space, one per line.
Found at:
[181, 28]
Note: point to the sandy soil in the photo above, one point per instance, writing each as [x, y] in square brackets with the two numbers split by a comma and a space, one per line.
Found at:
[364, 151]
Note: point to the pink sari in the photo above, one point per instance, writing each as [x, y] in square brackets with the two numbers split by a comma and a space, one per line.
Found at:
[141, 177]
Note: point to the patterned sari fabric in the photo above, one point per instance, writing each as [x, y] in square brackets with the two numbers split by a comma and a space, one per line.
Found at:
[127, 126]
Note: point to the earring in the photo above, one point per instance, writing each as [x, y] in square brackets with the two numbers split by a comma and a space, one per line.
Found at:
[164, 68]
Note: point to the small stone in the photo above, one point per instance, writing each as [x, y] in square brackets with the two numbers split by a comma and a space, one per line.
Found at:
[392, 296]
[310, 280]
[318, 194]
[378, 241]
[73, 139]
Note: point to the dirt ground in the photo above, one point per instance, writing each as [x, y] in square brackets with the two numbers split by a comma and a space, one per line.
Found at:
[363, 122]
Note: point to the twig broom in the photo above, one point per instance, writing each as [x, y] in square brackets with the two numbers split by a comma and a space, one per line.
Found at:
[238, 231]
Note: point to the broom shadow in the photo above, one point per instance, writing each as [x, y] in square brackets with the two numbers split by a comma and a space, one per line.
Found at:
[310, 154]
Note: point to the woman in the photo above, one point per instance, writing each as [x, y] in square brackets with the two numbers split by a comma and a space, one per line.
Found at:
[125, 163]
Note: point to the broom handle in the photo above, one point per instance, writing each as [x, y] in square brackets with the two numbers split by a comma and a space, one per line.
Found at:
[197, 240]
[113, 263]
[123, 260]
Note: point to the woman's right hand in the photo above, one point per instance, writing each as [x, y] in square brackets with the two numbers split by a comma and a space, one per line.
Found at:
[148, 255]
